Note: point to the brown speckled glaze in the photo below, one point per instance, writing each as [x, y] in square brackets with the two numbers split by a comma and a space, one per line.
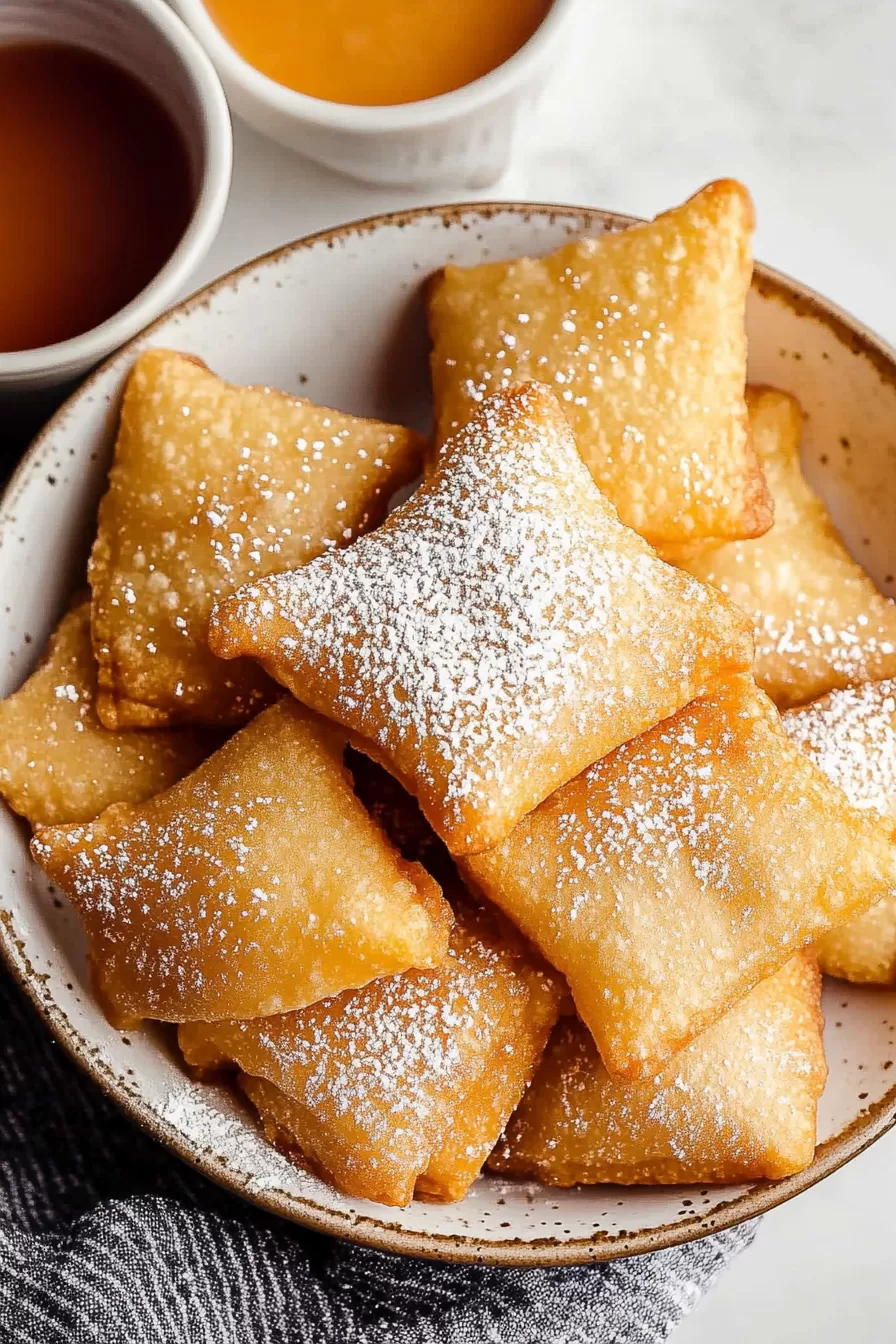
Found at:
[339, 316]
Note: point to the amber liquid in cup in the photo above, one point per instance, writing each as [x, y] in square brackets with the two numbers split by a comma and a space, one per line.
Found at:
[377, 52]
[96, 193]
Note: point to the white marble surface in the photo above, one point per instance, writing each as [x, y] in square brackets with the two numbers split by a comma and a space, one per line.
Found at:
[796, 98]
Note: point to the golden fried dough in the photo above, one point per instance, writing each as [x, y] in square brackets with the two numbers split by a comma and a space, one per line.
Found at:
[408, 1081]
[256, 885]
[681, 870]
[214, 485]
[738, 1104]
[500, 631]
[851, 736]
[820, 622]
[641, 335]
[58, 764]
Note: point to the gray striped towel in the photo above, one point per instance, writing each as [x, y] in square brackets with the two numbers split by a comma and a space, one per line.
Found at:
[104, 1237]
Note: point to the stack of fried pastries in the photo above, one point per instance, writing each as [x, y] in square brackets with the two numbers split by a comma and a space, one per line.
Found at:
[510, 858]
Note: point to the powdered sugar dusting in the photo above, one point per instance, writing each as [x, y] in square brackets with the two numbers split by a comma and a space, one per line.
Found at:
[232, 894]
[641, 336]
[850, 650]
[820, 623]
[504, 604]
[738, 1102]
[174, 897]
[214, 485]
[851, 736]
[385, 1056]
[660, 796]
[214, 1129]
[679, 871]
[57, 763]
[384, 1068]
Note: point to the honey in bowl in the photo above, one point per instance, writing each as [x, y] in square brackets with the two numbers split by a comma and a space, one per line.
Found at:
[376, 52]
[97, 191]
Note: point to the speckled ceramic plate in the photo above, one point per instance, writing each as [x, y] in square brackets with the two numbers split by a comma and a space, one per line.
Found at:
[338, 317]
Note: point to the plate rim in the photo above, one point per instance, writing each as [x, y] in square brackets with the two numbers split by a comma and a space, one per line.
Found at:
[376, 1233]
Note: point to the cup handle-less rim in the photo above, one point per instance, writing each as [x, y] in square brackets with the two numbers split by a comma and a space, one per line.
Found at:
[378, 120]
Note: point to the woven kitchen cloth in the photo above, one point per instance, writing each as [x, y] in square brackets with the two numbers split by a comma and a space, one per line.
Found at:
[105, 1237]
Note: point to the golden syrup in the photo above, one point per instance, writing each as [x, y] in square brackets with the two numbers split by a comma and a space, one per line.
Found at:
[376, 52]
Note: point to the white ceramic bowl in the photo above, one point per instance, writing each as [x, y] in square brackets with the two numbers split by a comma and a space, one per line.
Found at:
[151, 43]
[339, 317]
[460, 139]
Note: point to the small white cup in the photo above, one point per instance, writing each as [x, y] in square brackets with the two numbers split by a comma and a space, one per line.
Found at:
[151, 43]
[460, 139]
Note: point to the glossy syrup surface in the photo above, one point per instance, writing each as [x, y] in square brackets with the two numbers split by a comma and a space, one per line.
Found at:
[377, 52]
[96, 192]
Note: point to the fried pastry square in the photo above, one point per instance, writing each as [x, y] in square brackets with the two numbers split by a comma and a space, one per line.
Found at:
[214, 485]
[820, 622]
[851, 736]
[58, 764]
[738, 1104]
[500, 631]
[641, 335]
[675, 874]
[404, 1084]
[256, 885]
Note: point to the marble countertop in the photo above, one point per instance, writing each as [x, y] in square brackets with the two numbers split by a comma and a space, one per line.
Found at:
[797, 99]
